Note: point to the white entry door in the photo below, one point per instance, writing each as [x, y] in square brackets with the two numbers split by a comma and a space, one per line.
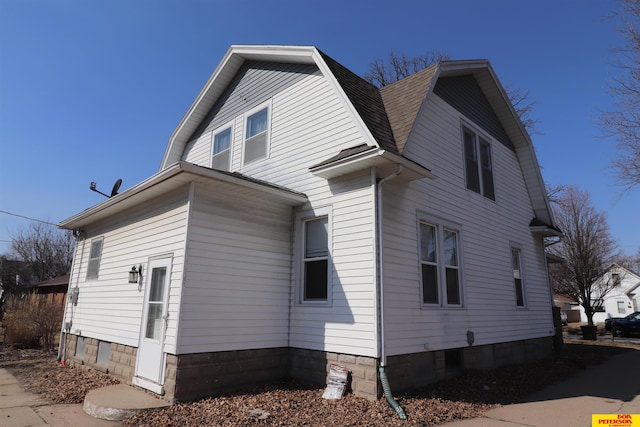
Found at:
[150, 359]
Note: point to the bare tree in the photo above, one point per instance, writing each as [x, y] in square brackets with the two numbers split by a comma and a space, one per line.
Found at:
[587, 248]
[383, 72]
[628, 261]
[623, 122]
[46, 252]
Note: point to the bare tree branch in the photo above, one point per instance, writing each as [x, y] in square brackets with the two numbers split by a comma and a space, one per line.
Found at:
[46, 251]
[623, 122]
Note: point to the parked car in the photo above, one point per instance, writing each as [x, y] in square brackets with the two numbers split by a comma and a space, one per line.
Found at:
[624, 326]
[563, 318]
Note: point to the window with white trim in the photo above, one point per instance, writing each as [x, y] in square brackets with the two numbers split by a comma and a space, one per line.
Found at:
[440, 272]
[516, 264]
[315, 262]
[478, 164]
[94, 258]
[222, 149]
[256, 137]
[622, 307]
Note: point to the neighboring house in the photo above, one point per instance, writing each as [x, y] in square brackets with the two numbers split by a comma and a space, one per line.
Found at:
[570, 307]
[623, 298]
[303, 217]
[53, 289]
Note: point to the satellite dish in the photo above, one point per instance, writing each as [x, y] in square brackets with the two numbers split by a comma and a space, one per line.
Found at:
[116, 187]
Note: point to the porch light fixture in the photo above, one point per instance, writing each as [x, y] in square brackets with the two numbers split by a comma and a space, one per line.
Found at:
[135, 275]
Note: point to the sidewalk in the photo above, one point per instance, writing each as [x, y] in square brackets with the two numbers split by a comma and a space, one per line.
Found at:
[19, 408]
[610, 388]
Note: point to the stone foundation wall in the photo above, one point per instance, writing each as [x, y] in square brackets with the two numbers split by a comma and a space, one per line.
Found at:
[193, 376]
[122, 358]
[409, 371]
[122, 362]
[313, 367]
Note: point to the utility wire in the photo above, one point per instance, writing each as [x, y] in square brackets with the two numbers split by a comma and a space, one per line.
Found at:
[26, 217]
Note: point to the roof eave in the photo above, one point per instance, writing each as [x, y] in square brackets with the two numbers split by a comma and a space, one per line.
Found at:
[545, 231]
[385, 162]
[190, 172]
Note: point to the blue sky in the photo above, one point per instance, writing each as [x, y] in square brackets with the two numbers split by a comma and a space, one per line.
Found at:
[91, 90]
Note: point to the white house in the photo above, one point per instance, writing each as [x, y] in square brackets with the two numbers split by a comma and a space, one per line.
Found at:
[303, 217]
[623, 298]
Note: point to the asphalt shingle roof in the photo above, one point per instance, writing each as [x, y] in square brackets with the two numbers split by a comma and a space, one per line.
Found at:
[402, 102]
[367, 100]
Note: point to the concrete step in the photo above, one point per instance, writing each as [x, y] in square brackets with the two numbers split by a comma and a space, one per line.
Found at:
[117, 402]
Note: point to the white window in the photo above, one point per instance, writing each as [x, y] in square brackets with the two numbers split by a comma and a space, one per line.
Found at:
[440, 264]
[256, 140]
[621, 307]
[222, 150]
[517, 276]
[94, 258]
[478, 164]
[315, 271]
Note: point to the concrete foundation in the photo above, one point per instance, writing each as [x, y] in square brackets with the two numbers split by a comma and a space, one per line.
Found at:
[192, 376]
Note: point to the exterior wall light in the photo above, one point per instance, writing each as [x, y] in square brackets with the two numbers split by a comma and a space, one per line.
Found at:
[135, 275]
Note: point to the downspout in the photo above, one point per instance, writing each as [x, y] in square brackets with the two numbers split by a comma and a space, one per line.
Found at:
[383, 356]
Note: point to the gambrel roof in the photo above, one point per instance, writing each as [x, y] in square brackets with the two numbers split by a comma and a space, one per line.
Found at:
[386, 117]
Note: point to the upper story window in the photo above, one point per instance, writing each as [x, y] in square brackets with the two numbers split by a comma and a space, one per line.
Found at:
[256, 140]
[440, 265]
[517, 276]
[478, 164]
[222, 150]
[94, 258]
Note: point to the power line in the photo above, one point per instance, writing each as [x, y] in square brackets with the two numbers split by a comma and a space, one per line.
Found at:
[26, 217]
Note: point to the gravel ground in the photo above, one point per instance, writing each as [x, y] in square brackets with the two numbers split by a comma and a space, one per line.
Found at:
[293, 404]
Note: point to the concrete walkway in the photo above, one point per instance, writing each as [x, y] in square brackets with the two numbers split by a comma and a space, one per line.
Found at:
[107, 406]
[610, 388]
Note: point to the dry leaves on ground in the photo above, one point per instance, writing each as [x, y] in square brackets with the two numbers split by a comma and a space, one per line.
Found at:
[292, 404]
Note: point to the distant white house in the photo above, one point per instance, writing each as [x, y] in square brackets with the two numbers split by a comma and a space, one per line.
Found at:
[622, 300]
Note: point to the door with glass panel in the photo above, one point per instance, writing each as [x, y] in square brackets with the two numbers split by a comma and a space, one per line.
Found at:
[150, 360]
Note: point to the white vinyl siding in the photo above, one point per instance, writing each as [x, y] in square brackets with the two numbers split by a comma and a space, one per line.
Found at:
[109, 309]
[348, 323]
[199, 150]
[488, 228]
[236, 295]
